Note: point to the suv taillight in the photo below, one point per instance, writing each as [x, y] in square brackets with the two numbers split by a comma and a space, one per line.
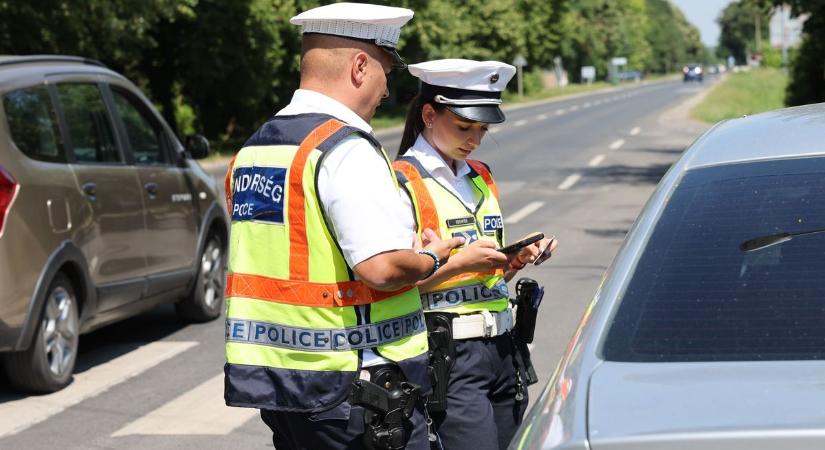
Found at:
[8, 187]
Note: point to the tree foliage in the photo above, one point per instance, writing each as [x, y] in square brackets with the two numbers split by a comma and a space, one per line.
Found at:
[738, 21]
[223, 67]
[807, 83]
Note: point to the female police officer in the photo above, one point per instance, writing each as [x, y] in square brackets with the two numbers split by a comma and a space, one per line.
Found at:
[486, 392]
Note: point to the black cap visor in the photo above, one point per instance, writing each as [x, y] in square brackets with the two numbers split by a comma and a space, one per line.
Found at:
[397, 62]
[478, 113]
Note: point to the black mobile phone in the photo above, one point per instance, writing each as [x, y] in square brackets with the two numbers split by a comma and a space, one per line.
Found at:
[516, 246]
[545, 254]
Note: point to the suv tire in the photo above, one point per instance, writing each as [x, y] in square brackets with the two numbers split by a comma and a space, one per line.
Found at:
[205, 300]
[48, 363]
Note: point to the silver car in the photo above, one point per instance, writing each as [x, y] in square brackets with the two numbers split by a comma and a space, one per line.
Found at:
[708, 331]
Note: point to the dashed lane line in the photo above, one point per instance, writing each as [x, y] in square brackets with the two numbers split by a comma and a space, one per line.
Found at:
[524, 212]
[520, 123]
[17, 415]
[559, 112]
[616, 144]
[635, 131]
[541, 116]
[595, 161]
[199, 411]
[569, 182]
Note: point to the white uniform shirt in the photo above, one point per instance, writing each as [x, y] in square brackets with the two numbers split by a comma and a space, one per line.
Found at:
[357, 191]
[459, 183]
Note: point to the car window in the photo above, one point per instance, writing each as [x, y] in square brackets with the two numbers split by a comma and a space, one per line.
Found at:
[90, 130]
[143, 132]
[33, 124]
[696, 296]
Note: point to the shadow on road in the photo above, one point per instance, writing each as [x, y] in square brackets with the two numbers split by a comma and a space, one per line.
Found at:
[115, 340]
[609, 233]
[624, 174]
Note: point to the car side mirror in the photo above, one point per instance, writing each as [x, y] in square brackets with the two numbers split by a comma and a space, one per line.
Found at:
[197, 146]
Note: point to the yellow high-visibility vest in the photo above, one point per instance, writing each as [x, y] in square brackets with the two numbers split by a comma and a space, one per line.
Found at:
[297, 322]
[440, 210]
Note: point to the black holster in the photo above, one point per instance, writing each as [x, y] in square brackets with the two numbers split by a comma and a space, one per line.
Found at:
[442, 357]
[528, 298]
[388, 401]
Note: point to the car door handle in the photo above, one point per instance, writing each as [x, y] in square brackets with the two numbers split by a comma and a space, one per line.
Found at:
[151, 188]
[90, 189]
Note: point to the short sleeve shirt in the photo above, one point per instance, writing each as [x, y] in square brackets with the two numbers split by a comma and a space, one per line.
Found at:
[356, 187]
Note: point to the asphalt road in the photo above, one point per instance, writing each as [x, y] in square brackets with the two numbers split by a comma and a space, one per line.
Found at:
[578, 168]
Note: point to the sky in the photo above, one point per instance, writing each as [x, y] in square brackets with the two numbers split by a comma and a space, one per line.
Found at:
[703, 14]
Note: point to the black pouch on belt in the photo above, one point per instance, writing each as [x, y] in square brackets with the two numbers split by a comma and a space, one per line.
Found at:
[388, 401]
[442, 357]
[528, 299]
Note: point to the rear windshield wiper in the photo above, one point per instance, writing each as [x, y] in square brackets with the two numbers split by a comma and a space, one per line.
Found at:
[761, 242]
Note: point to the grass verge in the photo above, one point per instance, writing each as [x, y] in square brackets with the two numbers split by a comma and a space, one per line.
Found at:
[743, 93]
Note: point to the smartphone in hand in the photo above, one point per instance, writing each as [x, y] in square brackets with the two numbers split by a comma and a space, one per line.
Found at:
[516, 246]
[545, 253]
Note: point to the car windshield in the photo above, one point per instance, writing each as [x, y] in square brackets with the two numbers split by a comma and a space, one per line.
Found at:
[696, 296]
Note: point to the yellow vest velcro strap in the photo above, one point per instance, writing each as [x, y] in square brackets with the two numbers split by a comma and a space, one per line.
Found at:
[325, 339]
[462, 295]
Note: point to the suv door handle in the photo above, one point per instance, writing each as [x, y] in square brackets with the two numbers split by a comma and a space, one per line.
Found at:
[151, 188]
[90, 189]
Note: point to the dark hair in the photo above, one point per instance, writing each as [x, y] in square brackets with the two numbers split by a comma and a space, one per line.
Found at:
[414, 124]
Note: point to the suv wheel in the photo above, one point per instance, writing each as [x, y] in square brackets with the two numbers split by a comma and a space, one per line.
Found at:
[48, 364]
[205, 300]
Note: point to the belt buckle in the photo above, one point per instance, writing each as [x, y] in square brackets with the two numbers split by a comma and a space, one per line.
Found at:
[489, 323]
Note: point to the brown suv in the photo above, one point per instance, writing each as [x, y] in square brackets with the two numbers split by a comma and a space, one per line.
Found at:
[103, 214]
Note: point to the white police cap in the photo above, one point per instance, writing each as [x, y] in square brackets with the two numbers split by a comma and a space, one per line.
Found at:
[470, 89]
[378, 24]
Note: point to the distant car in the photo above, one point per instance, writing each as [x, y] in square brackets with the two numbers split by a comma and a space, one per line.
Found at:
[708, 331]
[630, 75]
[103, 214]
[692, 72]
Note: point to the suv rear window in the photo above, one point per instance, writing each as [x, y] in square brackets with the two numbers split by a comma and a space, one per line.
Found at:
[695, 296]
[33, 124]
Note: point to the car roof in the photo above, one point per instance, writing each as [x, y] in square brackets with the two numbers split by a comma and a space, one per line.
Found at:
[14, 68]
[784, 133]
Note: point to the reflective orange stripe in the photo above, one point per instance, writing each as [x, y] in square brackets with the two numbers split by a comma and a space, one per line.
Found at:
[426, 205]
[304, 293]
[227, 185]
[485, 174]
[298, 242]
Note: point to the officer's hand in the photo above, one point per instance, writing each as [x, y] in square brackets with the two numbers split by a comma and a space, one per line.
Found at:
[529, 254]
[480, 256]
[441, 248]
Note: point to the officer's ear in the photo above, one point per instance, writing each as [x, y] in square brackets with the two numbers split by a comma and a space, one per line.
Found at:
[360, 63]
[428, 114]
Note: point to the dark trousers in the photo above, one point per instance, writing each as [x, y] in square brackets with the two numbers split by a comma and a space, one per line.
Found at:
[482, 411]
[340, 428]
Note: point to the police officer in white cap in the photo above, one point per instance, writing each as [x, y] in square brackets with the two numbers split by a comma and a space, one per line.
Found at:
[480, 393]
[324, 331]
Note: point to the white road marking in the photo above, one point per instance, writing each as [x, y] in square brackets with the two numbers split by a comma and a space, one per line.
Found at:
[616, 144]
[635, 131]
[542, 116]
[494, 130]
[520, 123]
[524, 212]
[586, 105]
[198, 411]
[574, 107]
[569, 182]
[559, 112]
[596, 161]
[17, 415]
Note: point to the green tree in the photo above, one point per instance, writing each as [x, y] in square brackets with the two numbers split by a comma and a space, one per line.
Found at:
[738, 28]
[807, 84]
[673, 40]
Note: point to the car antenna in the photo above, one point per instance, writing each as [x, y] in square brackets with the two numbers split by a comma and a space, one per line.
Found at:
[761, 242]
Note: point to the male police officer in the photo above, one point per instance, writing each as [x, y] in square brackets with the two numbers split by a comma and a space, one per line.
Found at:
[320, 303]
